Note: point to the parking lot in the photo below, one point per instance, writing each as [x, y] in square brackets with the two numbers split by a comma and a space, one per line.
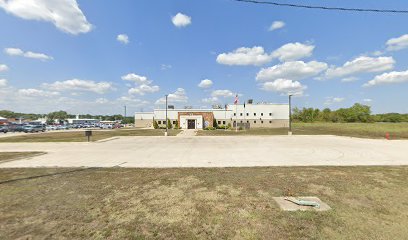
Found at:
[227, 151]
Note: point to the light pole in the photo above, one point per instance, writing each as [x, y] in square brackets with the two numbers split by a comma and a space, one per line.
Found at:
[167, 126]
[290, 114]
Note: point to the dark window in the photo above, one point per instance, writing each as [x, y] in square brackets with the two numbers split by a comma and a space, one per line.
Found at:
[223, 122]
[261, 114]
[240, 114]
[235, 114]
[234, 122]
[254, 121]
[247, 114]
[158, 122]
[241, 121]
[219, 122]
[262, 122]
[247, 121]
[174, 122]
[254, 114]
[270, 121]
[270, 114]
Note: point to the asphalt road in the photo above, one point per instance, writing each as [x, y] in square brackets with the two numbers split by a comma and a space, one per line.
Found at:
[244, 151]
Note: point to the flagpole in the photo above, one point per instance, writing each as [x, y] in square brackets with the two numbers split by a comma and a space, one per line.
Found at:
[236, 114]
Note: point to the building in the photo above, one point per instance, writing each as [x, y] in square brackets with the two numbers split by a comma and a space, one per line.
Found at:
[245, 115]
[78, 120]
[3, 121]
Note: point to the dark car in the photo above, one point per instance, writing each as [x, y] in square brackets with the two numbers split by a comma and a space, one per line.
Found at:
[4, 128]
[33, 128]
[16, 127]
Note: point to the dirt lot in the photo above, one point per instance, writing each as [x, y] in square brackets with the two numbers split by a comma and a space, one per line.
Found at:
[224, 203]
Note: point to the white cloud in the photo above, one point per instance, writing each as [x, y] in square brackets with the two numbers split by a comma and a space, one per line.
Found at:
[165, 67]
[284, 86]
[367, 100]
[136, 78]
[3, 68]
[210, 100]
[349, 79]
[28, 54]
[361, 65]
[332, 100]
[3, 83]
[206, 83]
[276, 25]
[181, 20]
[245, 56]
[293, 51]
[399, 43]
[291, 70]
[101, 100]
[80, 85]
[64, 14]
[31, 92]
[143, 89]
[388, 78]
[222, 93]
[179, 96]
[123, 38]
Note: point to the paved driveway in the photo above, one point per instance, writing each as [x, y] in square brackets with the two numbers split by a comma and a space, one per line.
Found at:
[241, 151]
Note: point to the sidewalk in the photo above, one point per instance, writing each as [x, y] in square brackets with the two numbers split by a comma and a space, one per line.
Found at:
[187, 133]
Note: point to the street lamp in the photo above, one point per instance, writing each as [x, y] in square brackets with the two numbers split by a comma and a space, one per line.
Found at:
[165, 134]
[290, 114]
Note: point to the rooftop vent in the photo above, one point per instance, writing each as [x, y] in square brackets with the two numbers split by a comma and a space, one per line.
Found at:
[250, 101]
[170, 107]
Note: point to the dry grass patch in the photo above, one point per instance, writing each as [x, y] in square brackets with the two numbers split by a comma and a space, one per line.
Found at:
[231, 203]
[11, 156]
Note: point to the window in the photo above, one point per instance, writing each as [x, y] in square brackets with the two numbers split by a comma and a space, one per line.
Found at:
[270, 114]
[254, 121]
[241, 121]
[158, 122]
[254, 114]
[247, 114]
[270, 121]
[261, 122]
[223, 122]
[240, 114]
[247, 121]
[219, 122]
[261, 114]
[235, 114]
[234, 122]
[174, 122]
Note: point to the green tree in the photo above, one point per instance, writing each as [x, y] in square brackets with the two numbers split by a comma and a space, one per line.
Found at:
[169, 125]
[155, 125]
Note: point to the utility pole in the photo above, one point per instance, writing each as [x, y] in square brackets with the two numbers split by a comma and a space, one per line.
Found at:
[167, 126]
[290, 114]
[125, 111]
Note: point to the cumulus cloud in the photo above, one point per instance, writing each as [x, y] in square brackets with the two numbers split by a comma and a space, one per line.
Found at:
[245, 56]
[276, 25]
[388, 78]
[31, 92]
[101, 100]
[136, 78]
[181, 20]
[3, 83]
[28, 54]
[179, 96]
[143, 89]
[222, 93]
[349, 79]
[210, 100]
[123, 38]
[64, 14]
[284, 86]
[361, 65]
[165, 67]
[293, 51]
[332, 100]
[3, 68]
[367, 100]
[80, 85]
[206, 83]
[399, 43]
[291, 70]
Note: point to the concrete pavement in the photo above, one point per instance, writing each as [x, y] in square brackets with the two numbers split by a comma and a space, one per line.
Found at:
[228, 151]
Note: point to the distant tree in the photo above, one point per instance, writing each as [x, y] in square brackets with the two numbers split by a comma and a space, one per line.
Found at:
[215, 124]
[155, 125]
[169, 125]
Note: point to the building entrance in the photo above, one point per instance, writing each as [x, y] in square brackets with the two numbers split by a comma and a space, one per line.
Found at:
[191, 124]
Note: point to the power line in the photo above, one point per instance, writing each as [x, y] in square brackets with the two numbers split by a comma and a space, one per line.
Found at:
[323, 7]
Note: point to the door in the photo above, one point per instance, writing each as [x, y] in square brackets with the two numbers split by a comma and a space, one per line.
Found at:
[191, 124]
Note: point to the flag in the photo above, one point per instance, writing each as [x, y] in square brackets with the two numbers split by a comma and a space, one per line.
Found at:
[236, 99]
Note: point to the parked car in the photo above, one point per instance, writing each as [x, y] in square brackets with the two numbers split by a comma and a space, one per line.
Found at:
[4, 128]
[14, 127]
[50, 128]
[33, 128]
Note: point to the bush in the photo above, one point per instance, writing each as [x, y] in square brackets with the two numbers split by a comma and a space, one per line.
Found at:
[215, 124]
[221, 127]
[169, 125]
[155, 125]
[210, 128]
[176, 126]
[229, 126]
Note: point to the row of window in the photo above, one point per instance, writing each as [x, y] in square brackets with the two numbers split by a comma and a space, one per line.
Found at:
[241, 114]
[164, 122]
[253, 121]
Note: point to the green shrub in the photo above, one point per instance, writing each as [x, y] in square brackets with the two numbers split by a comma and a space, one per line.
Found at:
[176, 126]
[155, 125]
[210, 128]
[169, 125]
[229, 126]
[215, 123]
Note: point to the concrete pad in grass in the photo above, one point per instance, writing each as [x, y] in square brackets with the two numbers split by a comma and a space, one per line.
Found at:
[286, 205]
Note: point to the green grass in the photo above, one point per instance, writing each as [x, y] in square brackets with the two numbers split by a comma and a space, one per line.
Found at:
[10, 156]
[229, 203]
[363, 130]
[79, 136]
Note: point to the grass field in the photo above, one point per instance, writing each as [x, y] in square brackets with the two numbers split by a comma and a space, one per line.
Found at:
[363, 130]
[10, 156]
[79, 136]
[232, 203]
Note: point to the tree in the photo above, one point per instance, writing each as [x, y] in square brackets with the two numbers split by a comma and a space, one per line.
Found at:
[60, 116]
[155, 125]
[169, 125]
[215, 123]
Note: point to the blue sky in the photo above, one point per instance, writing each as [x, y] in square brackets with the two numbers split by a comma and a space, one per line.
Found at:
[72, 59]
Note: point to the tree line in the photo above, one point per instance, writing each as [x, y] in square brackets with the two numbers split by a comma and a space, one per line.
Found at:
[63, 115]
[357, 113]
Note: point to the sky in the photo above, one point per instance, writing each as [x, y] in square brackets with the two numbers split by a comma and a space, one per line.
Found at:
[85, 56]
